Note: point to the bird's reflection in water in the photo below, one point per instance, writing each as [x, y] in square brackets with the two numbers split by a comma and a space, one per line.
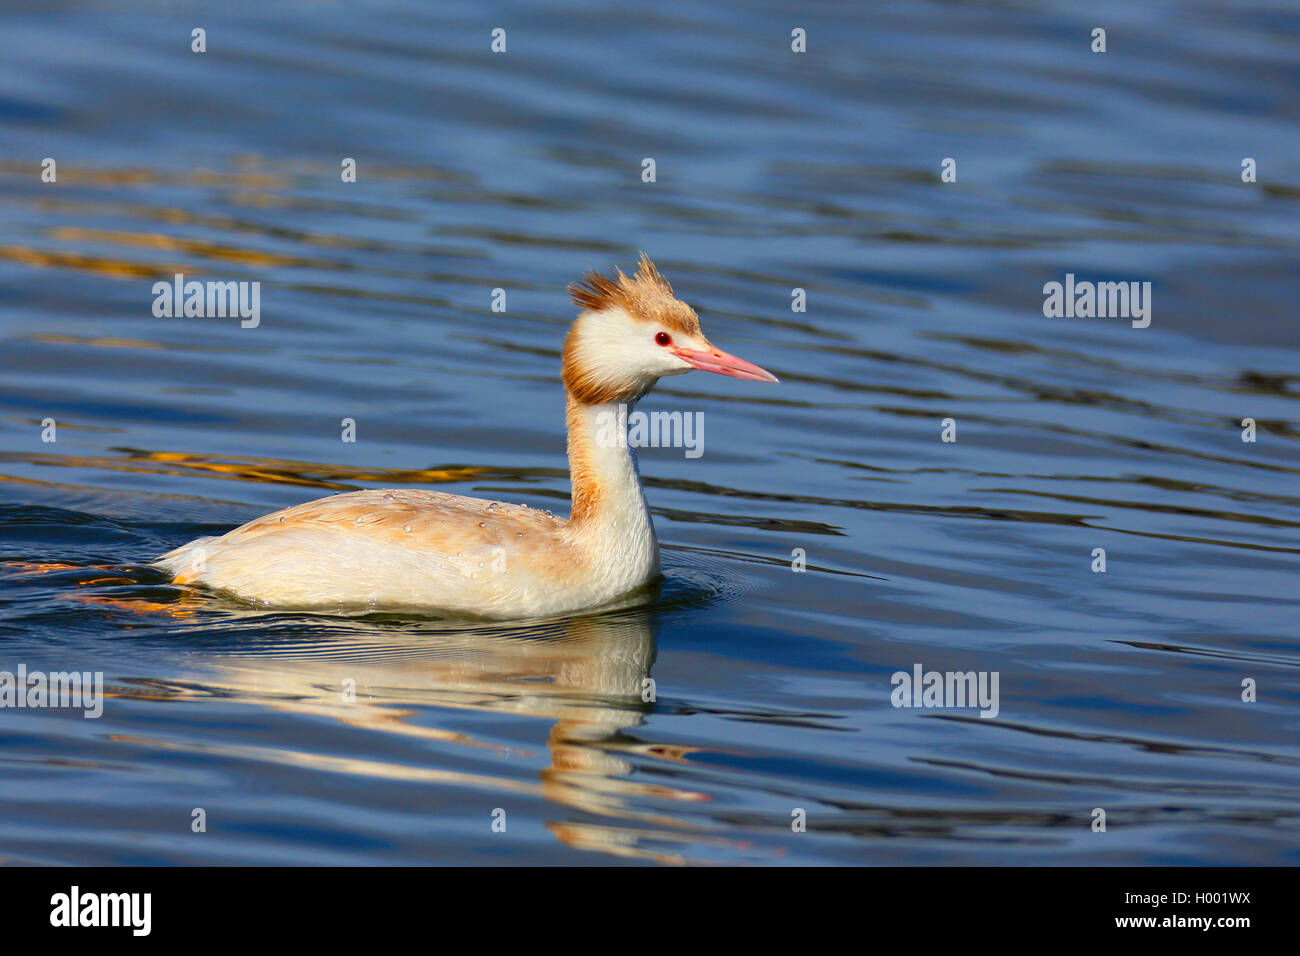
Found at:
[589, 675]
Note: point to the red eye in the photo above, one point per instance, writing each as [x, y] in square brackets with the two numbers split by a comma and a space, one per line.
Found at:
[663, 338]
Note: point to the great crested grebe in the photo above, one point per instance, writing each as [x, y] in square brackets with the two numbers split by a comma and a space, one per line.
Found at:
[403, 548]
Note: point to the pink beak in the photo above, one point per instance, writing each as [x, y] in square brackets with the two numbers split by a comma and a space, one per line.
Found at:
[716, 360]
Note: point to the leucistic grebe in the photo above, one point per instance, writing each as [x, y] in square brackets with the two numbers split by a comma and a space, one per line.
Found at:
[407, 549]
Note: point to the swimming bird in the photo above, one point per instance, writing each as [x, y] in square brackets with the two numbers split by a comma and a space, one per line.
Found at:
[412, 549]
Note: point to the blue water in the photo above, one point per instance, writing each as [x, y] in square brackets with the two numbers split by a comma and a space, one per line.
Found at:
[1119, 691]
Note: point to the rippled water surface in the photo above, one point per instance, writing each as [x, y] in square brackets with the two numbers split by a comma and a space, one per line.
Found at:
[476, 171]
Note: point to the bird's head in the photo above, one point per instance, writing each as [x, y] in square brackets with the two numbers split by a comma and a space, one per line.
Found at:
[631, 332]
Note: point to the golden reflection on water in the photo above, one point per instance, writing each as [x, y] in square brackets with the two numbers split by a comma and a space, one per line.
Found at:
[268, 470]
[90, 249]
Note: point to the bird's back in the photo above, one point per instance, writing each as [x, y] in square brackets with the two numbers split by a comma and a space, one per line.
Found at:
[392, 549]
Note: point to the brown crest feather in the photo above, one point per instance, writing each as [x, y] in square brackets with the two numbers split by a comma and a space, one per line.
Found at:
[645, 295]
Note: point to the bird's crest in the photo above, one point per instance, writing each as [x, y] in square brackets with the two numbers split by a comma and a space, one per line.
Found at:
[644, 295]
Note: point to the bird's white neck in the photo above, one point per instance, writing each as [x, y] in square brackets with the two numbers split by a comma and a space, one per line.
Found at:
[609, 509]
